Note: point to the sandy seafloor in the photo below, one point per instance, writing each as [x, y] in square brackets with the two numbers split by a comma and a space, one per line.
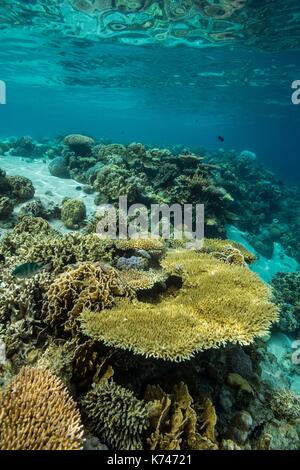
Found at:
[50, 189]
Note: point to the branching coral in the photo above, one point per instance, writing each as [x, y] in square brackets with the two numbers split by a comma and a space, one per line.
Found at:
[173, 421]
[142, 280]
[33, 240]
[117, 416]
[228, 251]
[37, 413]
[218, 304]
[147, 244]
[285, 404]
[87, 286]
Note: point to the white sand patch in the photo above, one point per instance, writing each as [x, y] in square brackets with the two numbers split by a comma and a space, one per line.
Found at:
[48, 188]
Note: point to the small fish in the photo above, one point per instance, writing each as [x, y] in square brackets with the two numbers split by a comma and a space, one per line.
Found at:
[2, 259]
[26, 270]
[221, 139]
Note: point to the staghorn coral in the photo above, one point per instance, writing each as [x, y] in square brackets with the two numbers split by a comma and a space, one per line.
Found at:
[37, 413]
[116, 415]
[86, 286]
[73, 213]
[147, 244]
[218, 304]
[142, 280]
[173, 421]
[285, 404]
[33, 240]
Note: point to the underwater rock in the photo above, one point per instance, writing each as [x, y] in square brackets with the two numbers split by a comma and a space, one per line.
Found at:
[4, 184]
[240, 427]
[59, 167]
[73, 213]
[246, 154]
[239, 362]
[79, 144]
[6, 207]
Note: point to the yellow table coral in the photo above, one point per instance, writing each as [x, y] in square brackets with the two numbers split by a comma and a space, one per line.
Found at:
[219, 303]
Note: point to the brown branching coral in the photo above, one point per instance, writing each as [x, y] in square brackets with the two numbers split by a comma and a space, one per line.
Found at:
[148, 244]
[33, 240]
[219, 303]
[142, 280]
[228, 251]
[86, 286]
[117, 415]
[173, 421]
[285, 404]
[37, 413]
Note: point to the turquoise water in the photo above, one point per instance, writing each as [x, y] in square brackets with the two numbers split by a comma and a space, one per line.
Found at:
[164, 72]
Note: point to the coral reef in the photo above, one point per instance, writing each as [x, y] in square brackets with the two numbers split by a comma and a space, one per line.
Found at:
[33, 240]
[73, 213]
[21, 188]
[116, 415]
[218, 304]
[79, 144]
[174, 423]
[285, 404]
[286, 290]
[87, 286]
[37, 413]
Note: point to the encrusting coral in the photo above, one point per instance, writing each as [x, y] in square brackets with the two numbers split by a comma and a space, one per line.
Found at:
[37, 413]
[219, 303]
[116, 415]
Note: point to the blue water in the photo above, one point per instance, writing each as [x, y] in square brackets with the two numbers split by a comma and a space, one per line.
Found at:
[64, 74]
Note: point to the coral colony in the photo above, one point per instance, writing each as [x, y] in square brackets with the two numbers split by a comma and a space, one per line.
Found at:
[143, 342]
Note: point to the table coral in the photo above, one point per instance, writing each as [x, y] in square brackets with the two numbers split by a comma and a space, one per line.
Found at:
[118, 417]
[218, 304]
[37, 413]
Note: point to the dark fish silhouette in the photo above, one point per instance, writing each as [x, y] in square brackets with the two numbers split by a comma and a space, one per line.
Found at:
[23, 271]
[2, 259]
[221, 139]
